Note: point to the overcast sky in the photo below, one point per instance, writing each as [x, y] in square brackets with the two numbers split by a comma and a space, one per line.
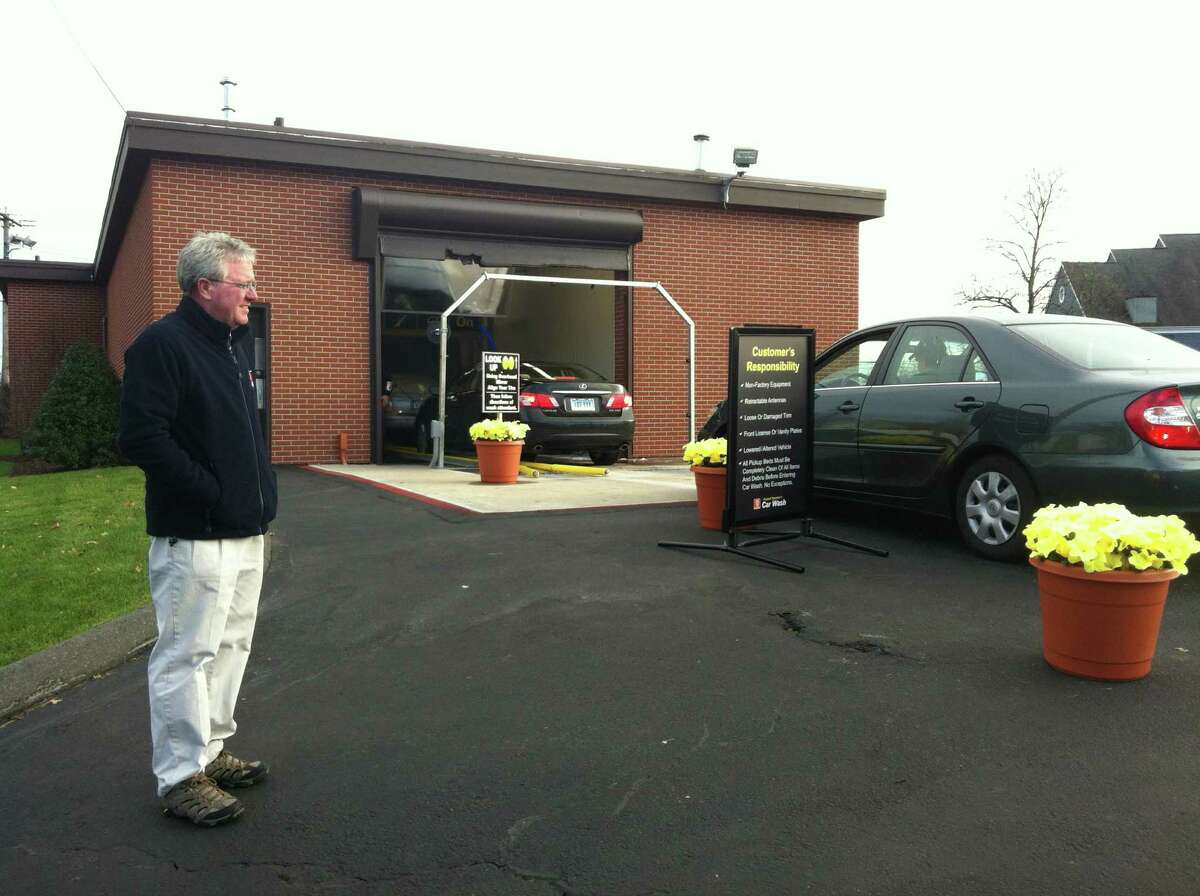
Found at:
[947, 106]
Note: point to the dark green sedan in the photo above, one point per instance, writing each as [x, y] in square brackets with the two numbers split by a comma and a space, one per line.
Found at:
[984, 420]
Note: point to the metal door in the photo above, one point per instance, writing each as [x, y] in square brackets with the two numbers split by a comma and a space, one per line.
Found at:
[935, 393]
[260, 361]
[840, 386]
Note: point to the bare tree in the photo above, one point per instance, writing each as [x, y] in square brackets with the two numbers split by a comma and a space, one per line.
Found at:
[1029, 255]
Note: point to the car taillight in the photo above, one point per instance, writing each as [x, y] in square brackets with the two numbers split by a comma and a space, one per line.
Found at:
[1161, 418]
[539, 400]
[619, 401]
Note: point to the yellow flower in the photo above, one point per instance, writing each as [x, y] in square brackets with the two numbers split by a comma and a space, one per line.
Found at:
[498, 431]
[1103, 537]
[707, 452]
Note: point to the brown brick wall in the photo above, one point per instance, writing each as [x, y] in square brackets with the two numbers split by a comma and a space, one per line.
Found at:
[299, 221]
[621, 335]
[724, 268]
[130, 291]
[45, 319]
[727, 268]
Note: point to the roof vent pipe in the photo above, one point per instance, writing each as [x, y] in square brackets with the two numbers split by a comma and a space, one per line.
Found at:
[227, 83]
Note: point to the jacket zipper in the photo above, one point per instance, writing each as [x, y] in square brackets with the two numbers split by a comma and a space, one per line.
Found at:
[237, 375]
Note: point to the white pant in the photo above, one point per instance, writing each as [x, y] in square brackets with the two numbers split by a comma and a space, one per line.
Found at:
[205, 597]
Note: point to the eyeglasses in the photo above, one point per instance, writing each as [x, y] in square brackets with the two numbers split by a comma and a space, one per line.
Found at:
[249, 285]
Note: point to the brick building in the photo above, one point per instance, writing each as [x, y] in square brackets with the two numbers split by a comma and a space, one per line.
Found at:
[362, 241]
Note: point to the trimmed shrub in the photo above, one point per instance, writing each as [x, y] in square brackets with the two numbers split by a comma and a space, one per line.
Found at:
[76, 425]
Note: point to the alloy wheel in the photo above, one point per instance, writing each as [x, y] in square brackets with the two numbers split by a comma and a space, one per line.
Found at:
[993, 508]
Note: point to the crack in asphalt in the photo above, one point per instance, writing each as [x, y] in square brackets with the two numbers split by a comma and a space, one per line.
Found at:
[794, 623]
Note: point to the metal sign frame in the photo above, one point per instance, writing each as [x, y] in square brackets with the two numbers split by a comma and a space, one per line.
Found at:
[798, 444]
[490, 395]
[735, 524]
[439, 451]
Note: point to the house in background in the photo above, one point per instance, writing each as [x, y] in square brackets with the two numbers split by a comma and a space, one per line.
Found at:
[1155, 287]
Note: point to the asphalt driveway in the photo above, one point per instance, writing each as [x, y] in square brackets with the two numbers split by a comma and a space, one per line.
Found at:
[550, 703]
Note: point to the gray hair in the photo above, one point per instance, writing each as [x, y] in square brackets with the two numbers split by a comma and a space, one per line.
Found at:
[205, 257]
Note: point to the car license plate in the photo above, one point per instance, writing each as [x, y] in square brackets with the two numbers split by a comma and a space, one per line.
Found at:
[583, 404]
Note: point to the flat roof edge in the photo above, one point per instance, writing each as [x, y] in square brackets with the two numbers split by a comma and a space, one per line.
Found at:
[71, 271]
[145, 135]
[253, 142]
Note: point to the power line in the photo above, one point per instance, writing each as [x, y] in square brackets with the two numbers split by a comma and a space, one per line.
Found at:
[83, 53]
[7, 222]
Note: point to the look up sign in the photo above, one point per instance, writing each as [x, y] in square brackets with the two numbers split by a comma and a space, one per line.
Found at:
[501, 382]
[770, 425]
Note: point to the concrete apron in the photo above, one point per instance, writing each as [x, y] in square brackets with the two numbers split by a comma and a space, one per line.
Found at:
[38, 677]
[624, 486]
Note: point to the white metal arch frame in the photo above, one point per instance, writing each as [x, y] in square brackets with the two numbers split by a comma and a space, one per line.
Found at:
[439, 451]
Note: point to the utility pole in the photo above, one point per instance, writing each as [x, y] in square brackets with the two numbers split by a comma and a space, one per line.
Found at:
[8, 222]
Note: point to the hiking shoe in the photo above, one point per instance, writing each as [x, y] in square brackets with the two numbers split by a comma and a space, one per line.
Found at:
[229, 771]
[201, 802]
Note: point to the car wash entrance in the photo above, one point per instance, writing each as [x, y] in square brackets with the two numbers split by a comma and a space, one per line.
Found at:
[577, 414]
[568, 334]
[430, 250]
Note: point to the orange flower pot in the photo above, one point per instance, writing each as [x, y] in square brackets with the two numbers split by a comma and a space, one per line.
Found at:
[1101, 625]
[710, 495]
[498, 461]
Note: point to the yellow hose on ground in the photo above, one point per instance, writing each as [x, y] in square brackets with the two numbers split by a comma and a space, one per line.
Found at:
[569, 468]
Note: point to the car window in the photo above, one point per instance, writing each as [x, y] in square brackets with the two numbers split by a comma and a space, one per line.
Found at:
[1191, 340]
[852, 365]
[928, 353]
[468, 382]
[1108, 346]
[977, 370]
[547, 371]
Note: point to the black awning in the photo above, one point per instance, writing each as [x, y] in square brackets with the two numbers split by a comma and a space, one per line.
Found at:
[497, 231]
[495, 253]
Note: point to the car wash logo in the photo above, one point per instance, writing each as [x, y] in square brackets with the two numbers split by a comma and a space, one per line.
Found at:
[769, 503]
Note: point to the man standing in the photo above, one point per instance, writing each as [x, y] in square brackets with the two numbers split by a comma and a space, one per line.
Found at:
[189, 419]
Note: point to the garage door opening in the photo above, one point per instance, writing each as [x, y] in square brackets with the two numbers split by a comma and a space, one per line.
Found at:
[580, 325]
[486, 281]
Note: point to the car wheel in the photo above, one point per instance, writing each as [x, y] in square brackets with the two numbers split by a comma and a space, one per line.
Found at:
[424, 441]
[605, 458]
[993, 504]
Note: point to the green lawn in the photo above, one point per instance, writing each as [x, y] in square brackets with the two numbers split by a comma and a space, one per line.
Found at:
[8, 448]
[72, 555]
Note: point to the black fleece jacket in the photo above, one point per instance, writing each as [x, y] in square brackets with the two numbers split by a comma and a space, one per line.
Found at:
[189, 419]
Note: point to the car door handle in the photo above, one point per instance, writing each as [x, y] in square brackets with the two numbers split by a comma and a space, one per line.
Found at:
[968, 404]
[847, 406]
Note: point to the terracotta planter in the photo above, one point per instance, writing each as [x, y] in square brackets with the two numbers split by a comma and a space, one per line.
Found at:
[1101, 625]
[710, 495]
[498, 461]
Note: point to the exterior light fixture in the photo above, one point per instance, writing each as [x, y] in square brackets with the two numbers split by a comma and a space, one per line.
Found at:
[743, 158]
